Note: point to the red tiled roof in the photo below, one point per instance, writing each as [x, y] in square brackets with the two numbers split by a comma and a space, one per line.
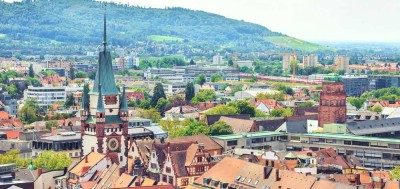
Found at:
[12, 134]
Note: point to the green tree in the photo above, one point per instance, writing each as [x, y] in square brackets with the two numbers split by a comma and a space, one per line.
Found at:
[281, 112]
[216, 77]
[69, 101]
[162, 103]
[356, 102]
[157, 94]
[220, 128]
[12, 90]
[31, 72]
[244, 107]
[173, 127]
[260, 114]
[72, 73]
[29, 112]
[192, 62]
[204, 96]
[131, 103]
[196, 128]
[81, 74]
[377, 109]
[276, 96]
[306, 104]
[285, 89]
[395, 173]
[52, 160]
[201, 79]
[237, 88]
[189, 92]
[230, 62]
[51, 124]
[223, 109]
[152, 114]
[316, 97]
[144, 104]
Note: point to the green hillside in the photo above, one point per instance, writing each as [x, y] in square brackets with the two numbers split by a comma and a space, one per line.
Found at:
[291, 42]
[53, 25]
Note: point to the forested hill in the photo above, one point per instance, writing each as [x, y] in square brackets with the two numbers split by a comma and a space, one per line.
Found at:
[79, 22]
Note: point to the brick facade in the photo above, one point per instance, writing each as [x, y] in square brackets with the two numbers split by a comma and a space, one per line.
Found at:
[332, 103]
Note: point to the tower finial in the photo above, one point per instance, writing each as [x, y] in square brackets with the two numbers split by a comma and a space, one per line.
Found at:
[105, 29]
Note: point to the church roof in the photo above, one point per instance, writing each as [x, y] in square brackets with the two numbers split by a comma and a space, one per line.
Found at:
[104, 73]
[124, 104]
[84, 104]
[110, 119]
[100, 105]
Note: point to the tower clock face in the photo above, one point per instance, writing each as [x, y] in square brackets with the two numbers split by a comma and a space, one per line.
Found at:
[113, 144]
[111, 100]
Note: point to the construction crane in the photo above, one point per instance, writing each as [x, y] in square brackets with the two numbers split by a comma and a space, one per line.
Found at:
[294, 66]
[235, 59]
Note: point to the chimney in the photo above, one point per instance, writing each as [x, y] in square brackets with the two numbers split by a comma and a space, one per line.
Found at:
[121, 170]
[92, 149]
[86, 159]
[53, 131]
[277, 175]
[39, 172]
[65, 170]
[13, 175]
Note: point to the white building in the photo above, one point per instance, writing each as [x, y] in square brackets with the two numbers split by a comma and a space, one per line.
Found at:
[247, 63]
[310, 60]
[47, 96]
[218, 59]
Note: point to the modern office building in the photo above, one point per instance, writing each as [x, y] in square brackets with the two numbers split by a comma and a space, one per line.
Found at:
[68, 142]
[373, 152]
[355, 85]
[48, 96]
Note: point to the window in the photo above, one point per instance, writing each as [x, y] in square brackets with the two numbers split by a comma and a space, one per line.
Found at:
[232, 143]
[199, 169]
[153, 166]
[199, 159]
[171, 180]
[184, 182]
[164, 178]
[168, 169]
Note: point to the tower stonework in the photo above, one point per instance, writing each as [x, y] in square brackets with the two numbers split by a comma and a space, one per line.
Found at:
[104, 113]
[332, 103]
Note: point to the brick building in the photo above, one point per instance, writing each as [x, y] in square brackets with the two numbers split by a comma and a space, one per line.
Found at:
[332, 103]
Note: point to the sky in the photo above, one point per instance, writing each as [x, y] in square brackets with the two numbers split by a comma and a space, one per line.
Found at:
[312, 20]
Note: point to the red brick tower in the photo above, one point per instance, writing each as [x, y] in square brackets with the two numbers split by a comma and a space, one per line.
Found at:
[332, 103]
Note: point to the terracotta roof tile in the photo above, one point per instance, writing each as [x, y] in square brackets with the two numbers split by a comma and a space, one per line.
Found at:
[93, 159]
[209, 144]
[239, 125]
[365, 178]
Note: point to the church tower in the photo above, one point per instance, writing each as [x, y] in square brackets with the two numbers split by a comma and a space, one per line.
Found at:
[332, 103]
[104, 112]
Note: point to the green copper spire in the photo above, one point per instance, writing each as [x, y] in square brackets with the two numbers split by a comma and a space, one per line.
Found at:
[31, 167]
[104, 72]
[105, 33]
[100, 106]
[124, 104]
[84, 104]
